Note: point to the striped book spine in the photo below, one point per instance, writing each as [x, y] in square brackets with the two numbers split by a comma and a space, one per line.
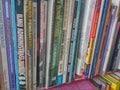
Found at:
[9, 42]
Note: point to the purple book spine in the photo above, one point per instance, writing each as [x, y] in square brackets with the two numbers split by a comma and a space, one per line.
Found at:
[104, 49]
[9, 42]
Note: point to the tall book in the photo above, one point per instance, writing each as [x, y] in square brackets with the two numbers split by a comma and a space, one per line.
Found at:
[20, 43]
[74, 38]
[92, 37]
[9, 42]
[34, 24]
[104, 7]
[29, 40]
[57, 31]
[3, 50]
[84, 38]
[51, 9]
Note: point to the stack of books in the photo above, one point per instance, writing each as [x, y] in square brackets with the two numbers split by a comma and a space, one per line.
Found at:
[45, 43]
[110, 81]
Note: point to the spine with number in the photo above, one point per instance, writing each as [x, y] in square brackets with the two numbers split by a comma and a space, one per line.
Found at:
[56, 41]
[3, 50]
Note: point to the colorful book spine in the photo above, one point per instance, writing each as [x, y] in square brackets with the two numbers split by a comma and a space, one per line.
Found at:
[105, 45]
[29, 33]
[9, 42]
[92, 37]
[20, 44]
[34, 14]
[98, 35]
[3, 50]
[74, 39]
[51, 7]
[56, 41]
[102, 38]
[84, 38]
[62, 46]
[68, 35]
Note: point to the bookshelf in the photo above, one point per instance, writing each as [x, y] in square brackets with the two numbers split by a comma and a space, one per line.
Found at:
[59, 44]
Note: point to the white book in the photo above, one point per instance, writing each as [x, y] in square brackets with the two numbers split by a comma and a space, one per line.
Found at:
[51, 4]
[84, 40]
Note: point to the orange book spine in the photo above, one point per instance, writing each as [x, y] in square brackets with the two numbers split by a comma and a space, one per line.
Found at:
[103, 36]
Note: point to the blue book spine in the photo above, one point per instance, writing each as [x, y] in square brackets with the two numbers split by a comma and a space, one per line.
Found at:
[105, 44]
[97, 45]
[9, 42]
[74, 38]
[20, 43]
[15, 42]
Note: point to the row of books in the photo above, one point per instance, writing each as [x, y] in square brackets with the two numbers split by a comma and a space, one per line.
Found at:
[110, 81]
[50, 42]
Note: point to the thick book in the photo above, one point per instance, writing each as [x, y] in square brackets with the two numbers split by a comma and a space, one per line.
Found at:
[9, 42]
[3, 50]
[57, 31]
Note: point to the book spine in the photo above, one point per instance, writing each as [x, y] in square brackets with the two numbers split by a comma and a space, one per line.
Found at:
[20, 44]
[29, 43]
[51, 7]
[25, 37]
[3, 49]
[105, 45]
[62, 46]
[98, 36]
[68, 35]
[92, 37]
[74, 38]
[83, 2]
[38, 41]
[9, 42]
[34, 14]
[102, 38]
[56, 41]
